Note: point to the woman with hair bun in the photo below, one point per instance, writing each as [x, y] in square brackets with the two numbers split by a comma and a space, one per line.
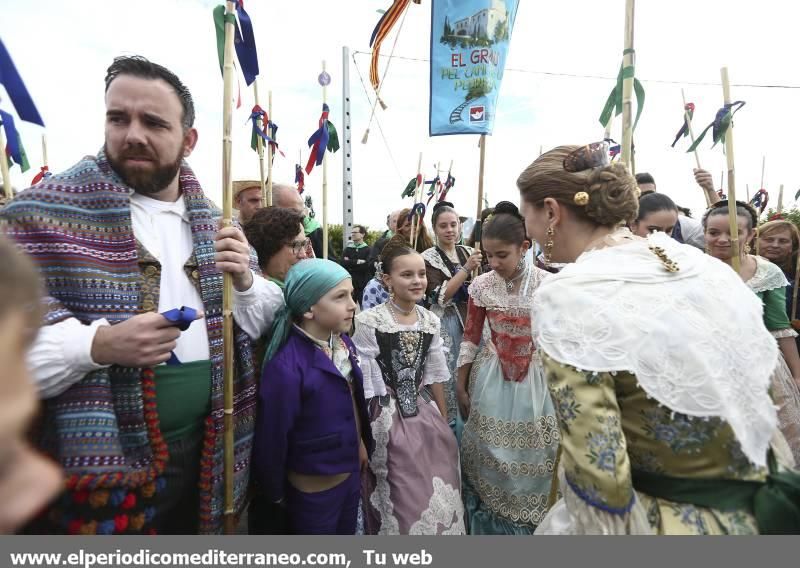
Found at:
[658, 364]
[510, 438]
[449, 269]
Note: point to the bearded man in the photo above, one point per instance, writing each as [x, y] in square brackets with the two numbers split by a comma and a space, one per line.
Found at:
[119, 239]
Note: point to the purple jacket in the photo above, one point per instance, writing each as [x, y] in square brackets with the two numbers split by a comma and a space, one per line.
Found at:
[305, 419]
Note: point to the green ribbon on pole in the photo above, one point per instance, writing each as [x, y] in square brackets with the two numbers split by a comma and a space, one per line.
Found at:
[614, 101]
[220, 19]
[409, 190]
[24, 165]
[333, 138]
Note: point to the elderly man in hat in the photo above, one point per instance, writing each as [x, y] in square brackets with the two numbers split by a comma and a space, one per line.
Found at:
[247, 198]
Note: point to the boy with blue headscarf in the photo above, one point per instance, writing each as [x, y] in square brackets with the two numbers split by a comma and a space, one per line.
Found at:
[313, 431]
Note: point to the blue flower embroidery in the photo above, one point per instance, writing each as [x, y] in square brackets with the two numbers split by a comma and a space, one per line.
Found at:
[680, 432]
[690, 516]
[604, 444]
[566, 406]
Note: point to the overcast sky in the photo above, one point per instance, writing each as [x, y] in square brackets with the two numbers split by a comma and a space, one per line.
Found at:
[63, 48]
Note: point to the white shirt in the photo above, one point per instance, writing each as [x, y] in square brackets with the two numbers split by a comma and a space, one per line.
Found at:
[692, 232]
[61, 354]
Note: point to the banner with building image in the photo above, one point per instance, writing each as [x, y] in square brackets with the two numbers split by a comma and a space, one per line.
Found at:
[469, 46]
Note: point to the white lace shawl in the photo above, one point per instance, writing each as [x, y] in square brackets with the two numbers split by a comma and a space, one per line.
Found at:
[695, 339]
[432, 257]
[379, 319]
[490, 291]
[768, 276]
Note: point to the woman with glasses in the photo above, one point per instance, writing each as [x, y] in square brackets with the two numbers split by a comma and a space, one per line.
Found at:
[279, 239]
[658, 364]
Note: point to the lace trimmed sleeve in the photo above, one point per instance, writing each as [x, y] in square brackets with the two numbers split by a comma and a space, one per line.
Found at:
[367, 349]
[436, 370]
[473, 330]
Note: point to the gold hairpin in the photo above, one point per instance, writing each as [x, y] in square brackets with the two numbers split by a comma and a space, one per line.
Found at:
[581, 198]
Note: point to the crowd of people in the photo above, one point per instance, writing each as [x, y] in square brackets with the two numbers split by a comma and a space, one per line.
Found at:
[587, 362]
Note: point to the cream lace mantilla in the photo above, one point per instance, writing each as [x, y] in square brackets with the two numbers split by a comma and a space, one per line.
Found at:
[379, 318]
[768, 276]
[695, 338]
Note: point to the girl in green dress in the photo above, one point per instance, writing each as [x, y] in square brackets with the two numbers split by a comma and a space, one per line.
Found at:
[769, 283]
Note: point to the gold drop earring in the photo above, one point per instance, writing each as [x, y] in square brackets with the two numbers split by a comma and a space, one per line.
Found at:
[548, 245]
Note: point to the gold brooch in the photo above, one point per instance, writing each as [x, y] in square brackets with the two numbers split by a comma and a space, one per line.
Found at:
[581, 198]
[668, 263]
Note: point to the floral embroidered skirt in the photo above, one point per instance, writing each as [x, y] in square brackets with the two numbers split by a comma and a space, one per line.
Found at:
[508, 448]
[413, 484]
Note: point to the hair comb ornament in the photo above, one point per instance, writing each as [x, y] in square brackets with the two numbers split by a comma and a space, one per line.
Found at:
[668, 263]
[588, 157]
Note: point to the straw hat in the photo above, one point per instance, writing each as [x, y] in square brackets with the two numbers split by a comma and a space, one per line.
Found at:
[240, 185]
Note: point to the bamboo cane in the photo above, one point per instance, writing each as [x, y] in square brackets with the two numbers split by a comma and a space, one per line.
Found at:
[4, 166]
[688, 120]
[478, 214]
[780, 199]
[628, 60]
[44, 150]
[227, 285]
[265, 201]
[763, 167]
[270, 151]
[747, 189]
[324, 183]
[607, 132]
[481, 170]
[449, 170]
[413, 204]
[732, 217]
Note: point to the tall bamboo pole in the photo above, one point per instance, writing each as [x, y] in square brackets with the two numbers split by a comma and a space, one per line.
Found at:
[628, 60]
[481, 171]
[44, 151]
[780, 199]
[324, 182]
[4, 166]
[732, 217]
[227, 281]
[270, 151]
[265, 199]
[688, 120]
[763, 167]
[414, 224]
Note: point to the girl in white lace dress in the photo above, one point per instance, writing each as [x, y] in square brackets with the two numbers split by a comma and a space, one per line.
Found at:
[769, 283]
[449, 270]
[413, 484]
[511, 435]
